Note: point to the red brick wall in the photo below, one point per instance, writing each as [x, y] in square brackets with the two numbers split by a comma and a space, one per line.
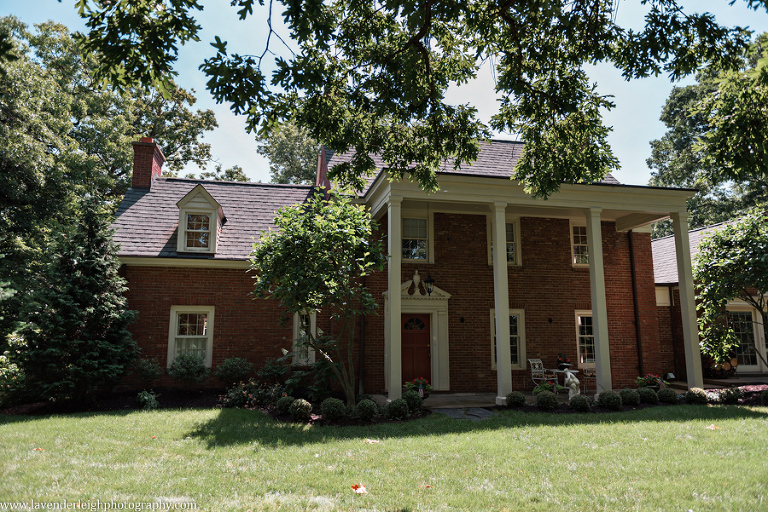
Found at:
[672, 348]
[546, 286]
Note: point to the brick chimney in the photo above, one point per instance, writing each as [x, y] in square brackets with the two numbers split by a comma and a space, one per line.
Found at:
[147, 162]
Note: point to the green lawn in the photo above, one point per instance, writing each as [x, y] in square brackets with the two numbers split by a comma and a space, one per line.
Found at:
[663, 458]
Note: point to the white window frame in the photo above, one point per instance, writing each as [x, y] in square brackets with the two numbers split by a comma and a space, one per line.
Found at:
[430, 238]
[584, 313]
[515, 221]
[174, 326]
[521, 353]
[571, 226]
[213, 224]
[303, 356]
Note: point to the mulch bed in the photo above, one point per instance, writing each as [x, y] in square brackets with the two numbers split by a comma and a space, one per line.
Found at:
[180, 399]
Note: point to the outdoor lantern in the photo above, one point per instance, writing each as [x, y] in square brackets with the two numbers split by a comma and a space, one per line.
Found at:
[429, 283]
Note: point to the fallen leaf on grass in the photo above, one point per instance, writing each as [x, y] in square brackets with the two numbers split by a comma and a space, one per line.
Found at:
[713, 427]
[371, 441]
[359, 489]
[39, 449]
[154, 437]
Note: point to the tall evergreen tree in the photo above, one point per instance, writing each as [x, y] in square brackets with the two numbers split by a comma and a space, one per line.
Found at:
[75, 340]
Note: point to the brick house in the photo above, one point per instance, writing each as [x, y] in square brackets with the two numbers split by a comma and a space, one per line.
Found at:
[744, 318]
[574, 276]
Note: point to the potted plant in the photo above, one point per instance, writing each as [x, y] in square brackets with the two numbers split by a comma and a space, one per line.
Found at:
[421, 385]
[651, 380]
[563, 362]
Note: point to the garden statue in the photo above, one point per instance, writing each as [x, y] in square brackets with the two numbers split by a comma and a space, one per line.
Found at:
[572, 383]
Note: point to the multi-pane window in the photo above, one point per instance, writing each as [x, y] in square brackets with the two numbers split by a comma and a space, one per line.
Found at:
[303, 323]
[516, 344]
[414, 239]
[191, 332]
[743, 328]
[579, 243]
[511, 245]
[585, 339]
[510, 228]
[198, 231]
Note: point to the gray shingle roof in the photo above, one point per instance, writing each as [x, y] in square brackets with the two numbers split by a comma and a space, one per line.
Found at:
[147, 220]
[496, 159]
[665, 256]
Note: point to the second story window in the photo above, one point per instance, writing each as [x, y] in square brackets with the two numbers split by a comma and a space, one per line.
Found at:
[198, 232]
[580, 249]
[415, 240]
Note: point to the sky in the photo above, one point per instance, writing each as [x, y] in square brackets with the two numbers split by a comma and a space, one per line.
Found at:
[635, 119]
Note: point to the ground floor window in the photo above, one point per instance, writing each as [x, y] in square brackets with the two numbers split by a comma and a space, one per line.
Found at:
[585, 339]
[516, 338]
[191, 332]
[303, 354]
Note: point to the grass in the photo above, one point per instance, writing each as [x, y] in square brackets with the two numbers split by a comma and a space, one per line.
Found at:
[663, 458]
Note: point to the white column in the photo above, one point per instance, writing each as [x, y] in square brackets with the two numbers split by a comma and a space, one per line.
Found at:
[501, 303]
[599, 305]
[395, 247]
[687, 300]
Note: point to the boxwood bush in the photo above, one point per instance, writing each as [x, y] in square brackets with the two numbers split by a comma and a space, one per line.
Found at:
[764, 397]
[189, 369]
[696, 396]
[413, 400]
[397, 409]
[579, 403]
[629, 397]
[610, 400]
[515, 399]
[546, 400]
[730, 396]
[667, 396]
[367, 410]
[283, 404]
[648, 395]
[300, 409]
[333, 409]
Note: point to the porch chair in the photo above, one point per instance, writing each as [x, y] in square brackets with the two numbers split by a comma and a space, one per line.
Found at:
[540, 374]
[588, 374]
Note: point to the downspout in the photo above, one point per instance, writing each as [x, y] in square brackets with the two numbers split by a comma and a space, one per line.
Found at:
[361, 363]
[635, 304]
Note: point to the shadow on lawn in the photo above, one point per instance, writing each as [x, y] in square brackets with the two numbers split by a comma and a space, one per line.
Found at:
[242, 427]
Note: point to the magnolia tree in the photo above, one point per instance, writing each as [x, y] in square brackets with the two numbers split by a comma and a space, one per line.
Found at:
[315, 261]
[731, 264]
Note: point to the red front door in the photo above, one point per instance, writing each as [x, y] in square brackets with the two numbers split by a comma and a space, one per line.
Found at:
[415, 347]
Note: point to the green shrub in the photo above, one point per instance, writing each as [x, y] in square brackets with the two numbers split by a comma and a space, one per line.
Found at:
[283, 404]
[252, 394]
[648, 395]
[362, 397]
[272, 372]
[696, 396]
[667, 396]
[397, 409]
[609, 400]
[546, 400]
[300, 409]
[515, 399]
[764, 397]
[333, 409]
[233, 370]
[147, 370]
[11, 381]
[189, 369]
[629, 397]
[730, 395]
[413, 400]
[148, 400]
[367, 410]
[579, 403]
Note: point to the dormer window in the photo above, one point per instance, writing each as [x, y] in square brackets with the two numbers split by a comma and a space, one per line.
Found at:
[200, 221]
[198, 231]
